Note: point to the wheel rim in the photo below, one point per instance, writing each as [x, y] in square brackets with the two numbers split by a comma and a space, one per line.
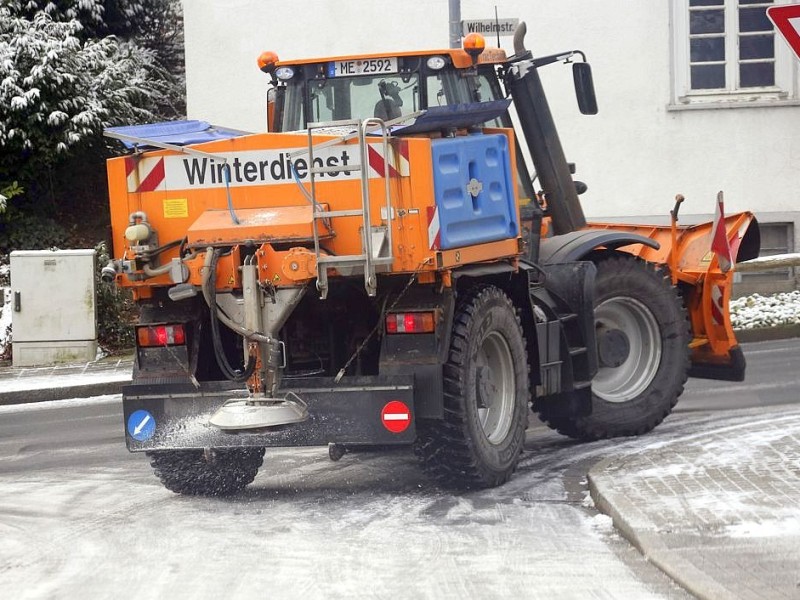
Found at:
[631, 378]
[494, 382]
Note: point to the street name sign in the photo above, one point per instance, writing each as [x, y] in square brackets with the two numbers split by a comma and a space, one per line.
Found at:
[489, 27]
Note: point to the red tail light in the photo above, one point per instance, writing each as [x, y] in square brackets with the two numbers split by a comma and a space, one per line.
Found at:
[414, 322]
[160, 335]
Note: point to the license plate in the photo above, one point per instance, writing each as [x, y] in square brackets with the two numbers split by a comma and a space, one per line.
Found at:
[366, 66]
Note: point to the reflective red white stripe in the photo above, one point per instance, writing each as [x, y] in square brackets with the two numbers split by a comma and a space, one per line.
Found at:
[719, 239]
[434, 228]
[398, 159]
[145, 174]
[717, 310]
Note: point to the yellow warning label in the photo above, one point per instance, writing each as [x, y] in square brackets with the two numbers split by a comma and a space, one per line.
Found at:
[176, 208]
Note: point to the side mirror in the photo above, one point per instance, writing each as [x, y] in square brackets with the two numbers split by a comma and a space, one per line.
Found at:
[584, 88]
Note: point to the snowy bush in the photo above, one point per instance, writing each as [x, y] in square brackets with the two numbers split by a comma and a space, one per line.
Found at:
[99, 17]
[61, 91]
[68, 69]
[154, 24]
[756, 311]
[5, 308]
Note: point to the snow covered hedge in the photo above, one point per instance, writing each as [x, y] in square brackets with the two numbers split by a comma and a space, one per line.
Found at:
[756, 311]
[68, 69]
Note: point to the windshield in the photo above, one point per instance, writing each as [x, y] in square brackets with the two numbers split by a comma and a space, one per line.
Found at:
[336, 99]
[345, 90]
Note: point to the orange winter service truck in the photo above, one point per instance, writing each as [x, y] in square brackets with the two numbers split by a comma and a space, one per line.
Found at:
[381, 268]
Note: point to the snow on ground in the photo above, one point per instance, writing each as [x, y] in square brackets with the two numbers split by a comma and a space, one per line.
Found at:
[726, 521]
[756, 311]
[734, 477]
[67, 376]
[765, 529]
[54, 404]
[371, 525]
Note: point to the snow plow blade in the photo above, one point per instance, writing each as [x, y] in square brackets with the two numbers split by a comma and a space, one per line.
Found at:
[176, 416]
[731, 369]
[705, 287]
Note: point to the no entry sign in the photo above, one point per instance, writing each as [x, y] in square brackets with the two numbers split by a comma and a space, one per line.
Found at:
[396, 416]
[786, 19]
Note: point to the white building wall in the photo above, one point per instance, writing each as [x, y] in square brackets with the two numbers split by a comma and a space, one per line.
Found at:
[635, 155]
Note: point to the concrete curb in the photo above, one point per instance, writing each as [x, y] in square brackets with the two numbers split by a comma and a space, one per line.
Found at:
[768, 334]
[635, 527]
[83, 390]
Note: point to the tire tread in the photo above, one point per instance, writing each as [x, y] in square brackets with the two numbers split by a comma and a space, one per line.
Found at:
[187, 472]
[445, 449]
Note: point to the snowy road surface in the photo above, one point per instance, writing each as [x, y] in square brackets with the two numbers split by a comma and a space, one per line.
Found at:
[80, 517]
[772, 378]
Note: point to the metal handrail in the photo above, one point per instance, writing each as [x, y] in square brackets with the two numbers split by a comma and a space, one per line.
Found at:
[363, 127]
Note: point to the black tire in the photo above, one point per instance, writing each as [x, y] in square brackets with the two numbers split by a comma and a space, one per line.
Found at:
[214, 473]
[634, 397]
[486, 395]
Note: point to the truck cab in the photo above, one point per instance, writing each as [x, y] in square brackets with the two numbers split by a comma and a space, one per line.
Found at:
[387, 86]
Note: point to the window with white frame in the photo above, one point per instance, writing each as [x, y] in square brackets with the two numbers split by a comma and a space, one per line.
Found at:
[727, 51]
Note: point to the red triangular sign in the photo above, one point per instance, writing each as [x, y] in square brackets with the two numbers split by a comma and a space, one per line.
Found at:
[787, 21]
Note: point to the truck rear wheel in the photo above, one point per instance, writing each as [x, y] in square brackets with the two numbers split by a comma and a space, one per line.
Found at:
[643, 348]
[478, 443]
[207, 473]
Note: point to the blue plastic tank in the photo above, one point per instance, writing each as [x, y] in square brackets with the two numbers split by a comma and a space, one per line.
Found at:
[474, 190]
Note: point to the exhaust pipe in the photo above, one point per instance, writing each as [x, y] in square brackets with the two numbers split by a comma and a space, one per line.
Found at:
[546, 151]
[541, 135]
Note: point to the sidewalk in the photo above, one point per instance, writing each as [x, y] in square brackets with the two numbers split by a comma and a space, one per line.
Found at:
[39, 384]
[718, 511]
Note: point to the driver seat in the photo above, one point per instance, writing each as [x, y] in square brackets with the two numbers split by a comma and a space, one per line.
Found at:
[387, 109]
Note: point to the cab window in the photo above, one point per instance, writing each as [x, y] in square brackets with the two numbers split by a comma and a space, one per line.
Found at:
[386, 97]
[435, 87]
[292, 113]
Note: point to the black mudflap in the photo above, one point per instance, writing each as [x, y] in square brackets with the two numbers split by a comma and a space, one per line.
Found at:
[355, 411]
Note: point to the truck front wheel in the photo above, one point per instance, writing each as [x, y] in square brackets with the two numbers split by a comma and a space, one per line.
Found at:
[214, 472]
[486, 393]
[643, 350]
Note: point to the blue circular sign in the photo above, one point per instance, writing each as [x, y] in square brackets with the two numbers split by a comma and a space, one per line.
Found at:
[141, 425]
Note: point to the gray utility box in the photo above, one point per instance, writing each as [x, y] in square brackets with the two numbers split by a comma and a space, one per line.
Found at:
[53, 317]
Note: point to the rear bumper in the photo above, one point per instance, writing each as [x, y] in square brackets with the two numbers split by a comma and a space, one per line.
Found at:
[175, 416]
